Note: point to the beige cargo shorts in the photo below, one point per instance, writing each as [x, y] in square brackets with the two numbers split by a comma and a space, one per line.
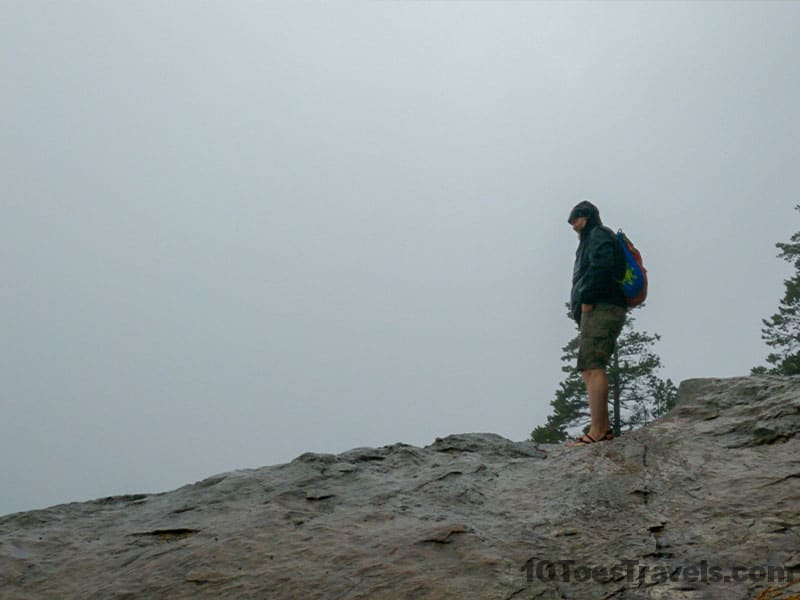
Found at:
[600, 329]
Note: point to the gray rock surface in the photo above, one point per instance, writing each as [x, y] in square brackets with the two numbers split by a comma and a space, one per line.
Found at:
[714, 485]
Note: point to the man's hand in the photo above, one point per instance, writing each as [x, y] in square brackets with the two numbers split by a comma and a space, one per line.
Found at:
[587, 308]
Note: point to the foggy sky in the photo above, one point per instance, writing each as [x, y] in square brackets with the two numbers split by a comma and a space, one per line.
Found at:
[233, 232]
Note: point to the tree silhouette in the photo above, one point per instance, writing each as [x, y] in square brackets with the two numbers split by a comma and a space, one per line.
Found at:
[781, 331]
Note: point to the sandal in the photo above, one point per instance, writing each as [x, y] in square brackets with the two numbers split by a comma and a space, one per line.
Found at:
[586, 439]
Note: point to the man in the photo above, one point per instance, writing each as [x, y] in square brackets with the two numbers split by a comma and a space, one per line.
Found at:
[599, 307]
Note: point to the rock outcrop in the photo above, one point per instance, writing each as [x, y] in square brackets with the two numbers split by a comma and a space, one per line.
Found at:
[701, 504]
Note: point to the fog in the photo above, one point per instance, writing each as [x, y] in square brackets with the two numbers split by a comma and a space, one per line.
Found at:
[235, 232]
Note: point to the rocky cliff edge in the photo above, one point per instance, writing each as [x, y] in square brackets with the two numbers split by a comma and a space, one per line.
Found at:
[701, 504]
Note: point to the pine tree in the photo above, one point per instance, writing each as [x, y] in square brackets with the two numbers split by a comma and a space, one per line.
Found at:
[782, 330]
[570, 404]
[637, 394]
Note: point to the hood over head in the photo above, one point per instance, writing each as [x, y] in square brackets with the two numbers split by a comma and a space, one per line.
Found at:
[588, 210]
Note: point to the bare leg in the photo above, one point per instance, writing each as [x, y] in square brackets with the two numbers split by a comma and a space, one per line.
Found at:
[597, 389]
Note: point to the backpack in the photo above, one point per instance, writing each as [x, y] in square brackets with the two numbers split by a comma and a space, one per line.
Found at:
[634, 282]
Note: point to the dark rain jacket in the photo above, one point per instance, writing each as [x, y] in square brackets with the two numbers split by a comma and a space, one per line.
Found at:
[599, 267]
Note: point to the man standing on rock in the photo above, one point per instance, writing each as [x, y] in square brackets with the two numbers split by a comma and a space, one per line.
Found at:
[599, 307]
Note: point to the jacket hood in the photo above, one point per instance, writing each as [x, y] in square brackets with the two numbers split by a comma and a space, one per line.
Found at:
[588, 210]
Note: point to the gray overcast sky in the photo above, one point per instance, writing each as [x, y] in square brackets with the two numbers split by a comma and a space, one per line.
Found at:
[233, 232]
